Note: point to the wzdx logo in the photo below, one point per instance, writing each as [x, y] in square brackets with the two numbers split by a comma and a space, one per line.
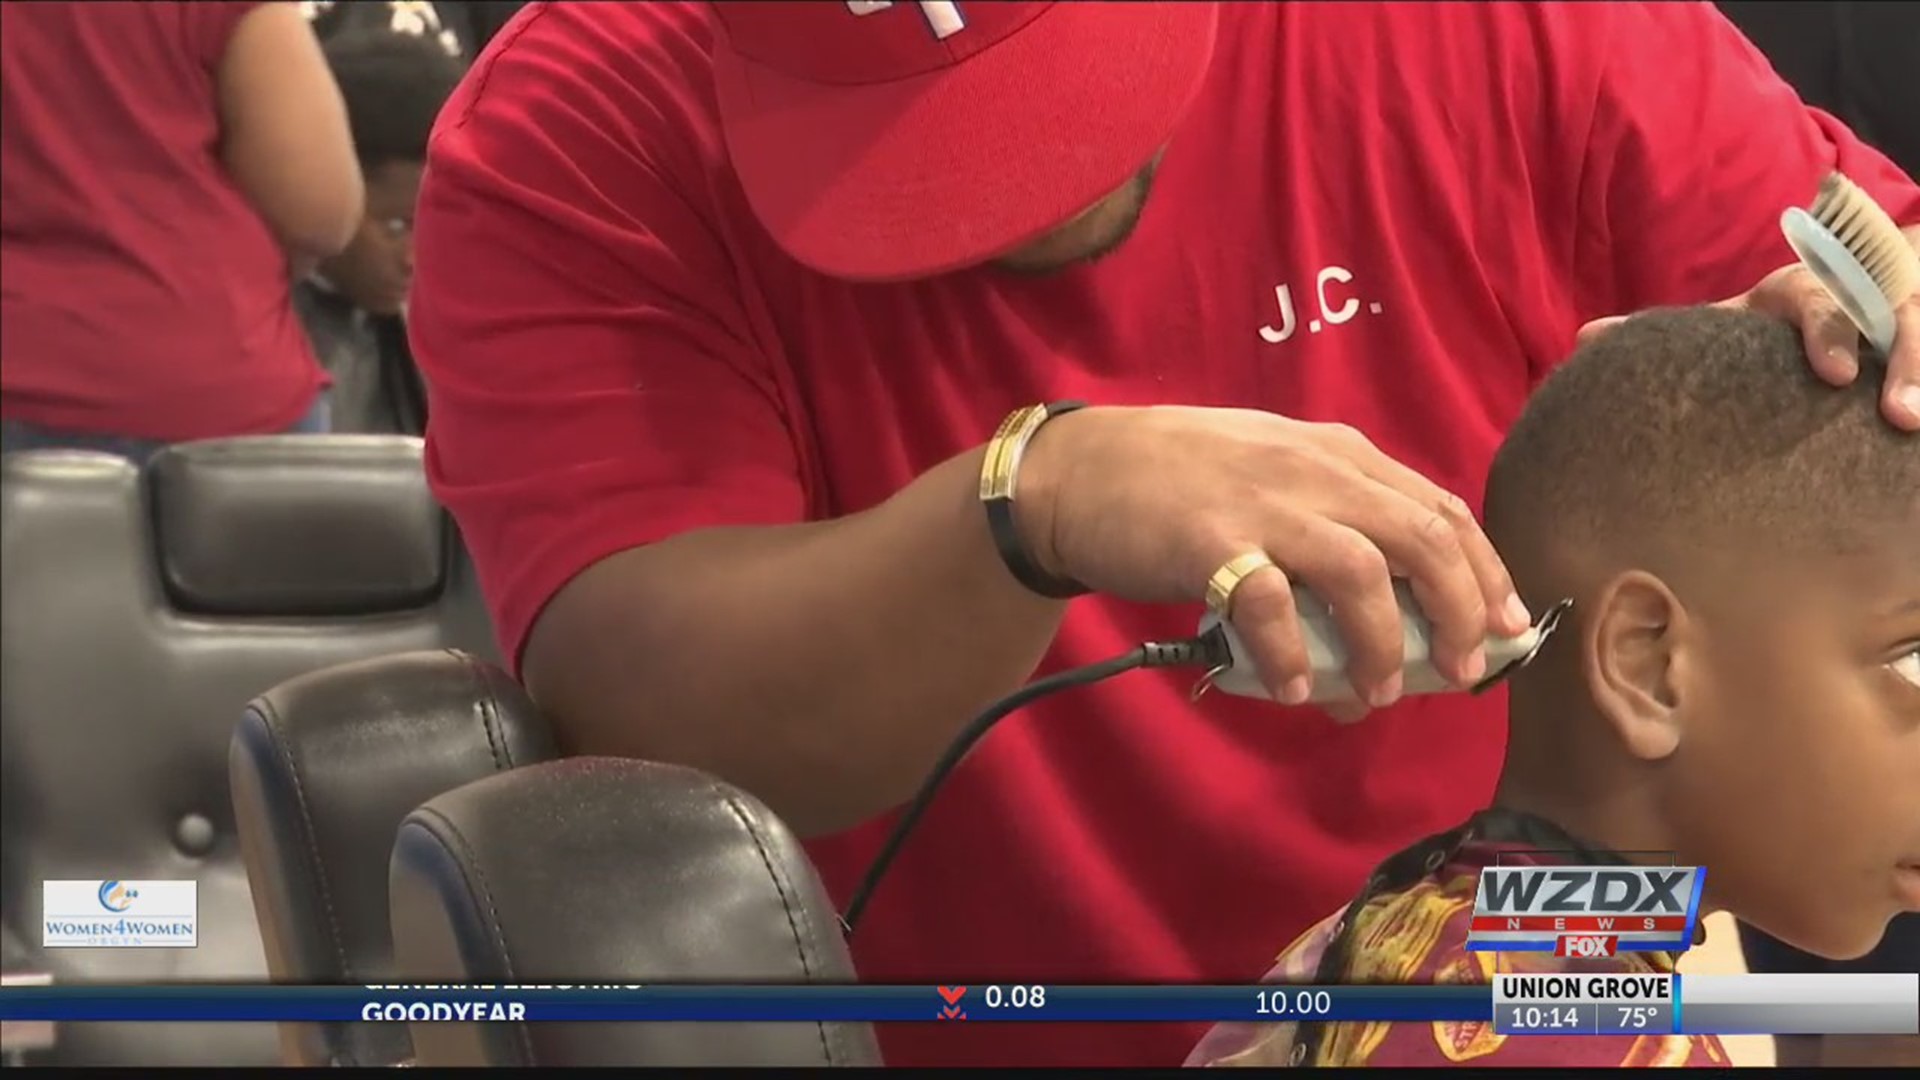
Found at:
[1586, 911]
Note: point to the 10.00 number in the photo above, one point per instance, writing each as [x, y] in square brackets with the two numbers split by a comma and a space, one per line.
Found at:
[1293, 1003]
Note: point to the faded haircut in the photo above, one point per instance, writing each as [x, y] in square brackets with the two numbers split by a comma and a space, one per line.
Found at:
[1699, 428]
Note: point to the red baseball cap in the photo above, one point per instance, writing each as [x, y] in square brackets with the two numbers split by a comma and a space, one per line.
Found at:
[882, 141]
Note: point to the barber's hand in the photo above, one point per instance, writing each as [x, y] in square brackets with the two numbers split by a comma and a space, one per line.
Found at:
[1147, 503]
[1833, 342]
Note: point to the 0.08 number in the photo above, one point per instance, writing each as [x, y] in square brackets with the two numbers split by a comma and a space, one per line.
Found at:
[1293, 1003]
[1016, 997]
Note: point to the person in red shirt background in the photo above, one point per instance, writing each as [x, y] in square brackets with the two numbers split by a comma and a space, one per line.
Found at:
[165, 170]
[716, 307]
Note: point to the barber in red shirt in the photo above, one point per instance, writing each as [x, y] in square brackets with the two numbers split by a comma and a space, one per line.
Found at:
[718, 305]
[161, 166]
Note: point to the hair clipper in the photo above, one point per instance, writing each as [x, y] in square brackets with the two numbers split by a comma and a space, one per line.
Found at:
[1327, 653]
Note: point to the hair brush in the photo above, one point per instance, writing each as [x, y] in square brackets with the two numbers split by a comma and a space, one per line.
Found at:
[1858, 254]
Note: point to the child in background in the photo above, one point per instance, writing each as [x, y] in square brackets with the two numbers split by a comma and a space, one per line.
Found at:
[354, 307]
[1737, 682]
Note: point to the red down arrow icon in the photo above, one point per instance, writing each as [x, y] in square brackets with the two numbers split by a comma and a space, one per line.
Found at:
[952, 996]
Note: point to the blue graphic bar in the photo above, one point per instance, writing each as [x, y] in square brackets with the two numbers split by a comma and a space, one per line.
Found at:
[767, 1004]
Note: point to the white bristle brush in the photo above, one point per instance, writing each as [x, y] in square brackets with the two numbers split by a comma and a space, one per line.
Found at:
[1857, 252]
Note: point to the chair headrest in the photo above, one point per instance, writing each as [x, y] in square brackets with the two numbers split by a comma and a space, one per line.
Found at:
[324, 768]
[594, 870]
[297, 525]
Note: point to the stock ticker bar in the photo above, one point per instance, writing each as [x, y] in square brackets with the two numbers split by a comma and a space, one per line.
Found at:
[1516, 1004]
[803, 1003]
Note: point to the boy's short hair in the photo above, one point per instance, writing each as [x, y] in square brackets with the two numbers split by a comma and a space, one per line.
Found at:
[1695, 428]
[394, 85]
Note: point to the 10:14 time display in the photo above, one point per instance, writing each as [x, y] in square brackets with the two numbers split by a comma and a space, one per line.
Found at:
[1543, 1017]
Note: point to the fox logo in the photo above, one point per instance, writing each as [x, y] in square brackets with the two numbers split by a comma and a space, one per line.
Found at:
[1586, 946]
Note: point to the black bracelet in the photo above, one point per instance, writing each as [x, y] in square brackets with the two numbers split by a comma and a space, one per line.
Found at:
[997, 496]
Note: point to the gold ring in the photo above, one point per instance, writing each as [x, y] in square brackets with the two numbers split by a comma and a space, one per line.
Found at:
[1221, 586]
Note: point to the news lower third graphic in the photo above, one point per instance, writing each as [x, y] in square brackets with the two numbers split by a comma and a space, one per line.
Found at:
[1574, 911]
[1513, 1004]
[117, 914]
[1586, 911]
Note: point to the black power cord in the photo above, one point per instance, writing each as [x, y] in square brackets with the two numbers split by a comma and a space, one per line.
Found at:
[1209, 648]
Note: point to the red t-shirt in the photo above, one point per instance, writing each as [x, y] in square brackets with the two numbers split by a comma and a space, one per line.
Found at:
[1394, 216]
[143, 295]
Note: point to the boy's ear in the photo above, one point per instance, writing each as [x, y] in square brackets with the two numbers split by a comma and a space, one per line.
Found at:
[1635, 650]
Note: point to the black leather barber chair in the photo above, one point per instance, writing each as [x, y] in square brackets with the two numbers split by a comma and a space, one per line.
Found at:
[596, 870]
[324, 769]
[139, 614]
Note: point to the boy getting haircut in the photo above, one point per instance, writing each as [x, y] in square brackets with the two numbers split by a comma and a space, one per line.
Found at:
[1737, 683]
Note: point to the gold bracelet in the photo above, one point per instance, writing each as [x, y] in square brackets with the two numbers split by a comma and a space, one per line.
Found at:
[999, 474]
